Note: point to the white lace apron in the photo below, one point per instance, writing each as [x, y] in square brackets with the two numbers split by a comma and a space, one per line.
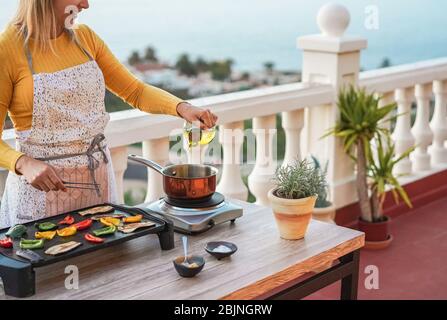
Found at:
[68, 123]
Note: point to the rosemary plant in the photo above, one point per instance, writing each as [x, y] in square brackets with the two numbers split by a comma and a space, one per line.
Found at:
[299, 180]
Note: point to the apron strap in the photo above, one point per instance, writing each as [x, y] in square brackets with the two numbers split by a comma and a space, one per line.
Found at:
[73, 35]
[29, 57]
[93, 163]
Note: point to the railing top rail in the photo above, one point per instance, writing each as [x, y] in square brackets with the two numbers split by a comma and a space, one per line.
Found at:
[404, 76]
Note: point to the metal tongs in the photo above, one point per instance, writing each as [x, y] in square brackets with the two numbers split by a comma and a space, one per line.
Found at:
[81, 185]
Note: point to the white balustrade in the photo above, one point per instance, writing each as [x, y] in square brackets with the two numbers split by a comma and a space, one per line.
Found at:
[293, 123]
[156, 150]
[260, 180]
[119, 161]
[439, 123]
[421, 128]
[402, 136]
[231, 136]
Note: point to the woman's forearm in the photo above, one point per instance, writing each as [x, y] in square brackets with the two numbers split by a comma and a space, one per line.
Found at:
[9, 156]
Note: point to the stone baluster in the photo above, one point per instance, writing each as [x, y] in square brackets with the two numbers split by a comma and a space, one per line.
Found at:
[260, 180]
[402, 136]
[119, 161]
[439, 123]
[156, 150]
[231, 136]
[293, 123]
[386, 99]
[421, 128]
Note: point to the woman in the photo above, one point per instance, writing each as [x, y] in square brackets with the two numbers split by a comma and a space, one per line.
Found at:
[53, 82]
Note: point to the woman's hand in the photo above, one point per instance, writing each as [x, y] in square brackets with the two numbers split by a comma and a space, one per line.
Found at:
[192, 114]
[39, 174]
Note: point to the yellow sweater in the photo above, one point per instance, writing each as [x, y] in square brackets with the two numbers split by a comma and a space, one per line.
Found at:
[16, 82]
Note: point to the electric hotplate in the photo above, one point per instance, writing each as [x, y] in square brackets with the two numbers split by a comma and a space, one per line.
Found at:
[195, 217]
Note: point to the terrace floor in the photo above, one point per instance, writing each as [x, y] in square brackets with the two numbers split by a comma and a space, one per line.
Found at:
[414, 266]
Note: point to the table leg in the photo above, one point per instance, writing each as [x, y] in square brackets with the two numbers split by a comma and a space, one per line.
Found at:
[347, 271]
[349, 283]
[166, 237]
[18, 277]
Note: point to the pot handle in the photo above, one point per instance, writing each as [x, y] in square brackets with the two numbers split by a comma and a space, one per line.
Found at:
[147, 162]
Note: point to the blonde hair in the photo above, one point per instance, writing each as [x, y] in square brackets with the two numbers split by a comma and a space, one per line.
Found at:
[36, 19]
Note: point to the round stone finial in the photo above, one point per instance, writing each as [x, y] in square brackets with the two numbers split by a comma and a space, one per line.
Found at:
[333, 19]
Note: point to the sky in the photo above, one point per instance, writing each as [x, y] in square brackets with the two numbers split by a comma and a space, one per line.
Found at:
[255, 31]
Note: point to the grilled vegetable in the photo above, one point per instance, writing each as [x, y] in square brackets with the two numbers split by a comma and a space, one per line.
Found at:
[84, 224]
[16, 231]
[66, 232]
[131, 227]
[105, 231]
[111, 215]
[62, 248]
[46, 226]
[133, 219]
[6, 243]
[108, 221]
[93, 239]
[68, 220]
[95, 210]
[31, 244]
[47, 235]
[29, 255]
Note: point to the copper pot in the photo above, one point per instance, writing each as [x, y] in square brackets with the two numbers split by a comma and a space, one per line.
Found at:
[184, 181]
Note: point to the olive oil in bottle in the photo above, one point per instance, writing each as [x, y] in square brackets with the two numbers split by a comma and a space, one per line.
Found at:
[196, 136]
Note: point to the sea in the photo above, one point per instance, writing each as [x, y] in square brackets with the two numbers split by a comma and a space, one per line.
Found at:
[253, 32]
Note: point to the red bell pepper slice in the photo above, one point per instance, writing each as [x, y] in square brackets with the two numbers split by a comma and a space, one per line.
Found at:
[93, 239]
[68, 220]
[84, 224]
[6, 243]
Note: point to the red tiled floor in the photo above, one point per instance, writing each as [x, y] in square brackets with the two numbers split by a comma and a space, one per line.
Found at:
[414, 266]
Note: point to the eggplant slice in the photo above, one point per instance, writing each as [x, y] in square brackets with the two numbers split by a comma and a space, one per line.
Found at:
[62, 248]
[132, 227]
[111, 215]
[95, 210]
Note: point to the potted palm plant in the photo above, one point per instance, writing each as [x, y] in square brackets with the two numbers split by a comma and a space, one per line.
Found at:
[293, 197]
[358, 126]
[324, 209]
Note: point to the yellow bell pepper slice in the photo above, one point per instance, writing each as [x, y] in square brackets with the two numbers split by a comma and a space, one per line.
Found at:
[47, 235]
[133, 219]
[66, 232]
[110, 221]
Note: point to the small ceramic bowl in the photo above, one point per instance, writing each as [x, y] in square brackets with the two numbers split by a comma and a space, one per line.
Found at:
[211, 247]
[189, 271]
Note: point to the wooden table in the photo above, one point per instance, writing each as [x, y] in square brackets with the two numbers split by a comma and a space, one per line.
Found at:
[264, 267]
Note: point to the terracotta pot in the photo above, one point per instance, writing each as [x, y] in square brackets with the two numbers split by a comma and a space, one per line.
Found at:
[326, 214]
[376, 233]
[292, 216]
